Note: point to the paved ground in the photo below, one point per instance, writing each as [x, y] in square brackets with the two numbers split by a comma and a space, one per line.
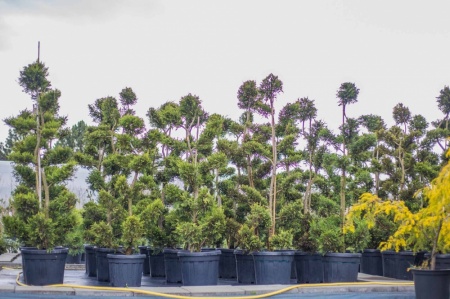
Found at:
[75, 276]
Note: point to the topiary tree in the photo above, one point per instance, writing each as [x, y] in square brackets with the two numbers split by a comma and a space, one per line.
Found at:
[43, 206]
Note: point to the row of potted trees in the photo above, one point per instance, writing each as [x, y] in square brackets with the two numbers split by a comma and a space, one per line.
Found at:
[135, 202]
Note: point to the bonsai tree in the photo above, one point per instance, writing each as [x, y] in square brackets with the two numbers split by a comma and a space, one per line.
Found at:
[41, 202]
[253, 234]
[328, 234]
[201, 221]
[159, 225]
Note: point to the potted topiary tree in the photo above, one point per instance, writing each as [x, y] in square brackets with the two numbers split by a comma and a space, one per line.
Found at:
[42, 204]
[337, 266]
[153, 219]
[201, 223]
[254, 265]
[126, 269]
[308, 260]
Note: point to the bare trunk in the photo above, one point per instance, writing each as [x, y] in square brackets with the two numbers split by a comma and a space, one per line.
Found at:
[130, 199]
[343, 178]
[273, 195]
[47, 195]
[434, 248]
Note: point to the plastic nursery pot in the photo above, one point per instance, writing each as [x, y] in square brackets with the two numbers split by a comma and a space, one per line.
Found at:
[341, 267]
[245, 267]
[42, 267]
[73, 259]
[273, 267]
[146, 269]
[172, 265]
[371, 262]
[126, 270]
[309, 267]
[442, 261]
[157, 267]
[90, 261]
[102, 263]
[431, 283]
[227, 264]
[199, 268]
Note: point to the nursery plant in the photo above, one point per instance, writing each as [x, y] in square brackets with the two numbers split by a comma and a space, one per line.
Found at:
[42, 203]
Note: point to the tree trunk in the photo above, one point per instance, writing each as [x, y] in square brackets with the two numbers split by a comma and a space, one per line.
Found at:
[47, 195]
[273, 195]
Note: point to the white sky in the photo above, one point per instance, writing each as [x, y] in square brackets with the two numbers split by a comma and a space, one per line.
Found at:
[393, 50]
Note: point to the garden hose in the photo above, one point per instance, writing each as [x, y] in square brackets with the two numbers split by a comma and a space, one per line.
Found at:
[270, 294]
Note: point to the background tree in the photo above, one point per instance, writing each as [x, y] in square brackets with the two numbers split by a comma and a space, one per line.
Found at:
[269, 89]
[347, 94]
[36, 157]
[75, 137]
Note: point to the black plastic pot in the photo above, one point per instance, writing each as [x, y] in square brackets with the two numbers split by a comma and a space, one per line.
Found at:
[91, 261]
[146, 269]
[406, 260]
[390, 263]
[23, 264]
[73, 259]
[172, 265]
[227, 264]
[101, 254]
[341, 267]
[157, 267]
[126, 270]
[245, 267]
[199, 268]
[42, 267]
[431, 283]
[371, 262]
[309, 267]
[273, 267]
[442, 260]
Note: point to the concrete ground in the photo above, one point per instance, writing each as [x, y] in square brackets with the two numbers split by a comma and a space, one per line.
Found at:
[77, 283]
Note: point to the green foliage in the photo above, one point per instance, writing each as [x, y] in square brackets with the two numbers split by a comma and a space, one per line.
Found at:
[42, 231]
[201, 222]
[328, 233]
[132, 232]
[152, 217]
[281, 240]
[15, 227]
[33, 79]
[247, 240]
[101, 234]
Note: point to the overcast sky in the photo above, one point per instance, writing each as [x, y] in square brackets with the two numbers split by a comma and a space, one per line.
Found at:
[394, 51]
